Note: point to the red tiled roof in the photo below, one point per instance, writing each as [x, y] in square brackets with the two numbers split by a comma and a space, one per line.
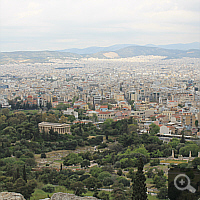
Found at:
[101, 112]
[161, 116]
[104, 106]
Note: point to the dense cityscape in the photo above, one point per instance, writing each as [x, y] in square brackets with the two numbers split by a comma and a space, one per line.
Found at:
[144, 87]
[100, 117]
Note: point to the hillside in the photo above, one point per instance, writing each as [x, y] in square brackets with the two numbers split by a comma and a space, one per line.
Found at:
[128, 51]
[34, 56]
[132, 51]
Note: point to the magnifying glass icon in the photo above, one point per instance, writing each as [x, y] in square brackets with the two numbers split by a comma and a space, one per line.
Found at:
[182, 182]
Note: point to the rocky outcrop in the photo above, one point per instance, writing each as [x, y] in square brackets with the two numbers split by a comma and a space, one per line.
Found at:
[56, 196]
[66, 196]
[11, 196]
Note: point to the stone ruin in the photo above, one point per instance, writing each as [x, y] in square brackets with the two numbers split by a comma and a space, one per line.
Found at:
[66, 196]
[11, 196]
[56, 196]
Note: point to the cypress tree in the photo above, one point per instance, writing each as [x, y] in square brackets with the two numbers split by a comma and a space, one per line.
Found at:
[24, 174]
[17, 176]
[182, 138]
[139, 189]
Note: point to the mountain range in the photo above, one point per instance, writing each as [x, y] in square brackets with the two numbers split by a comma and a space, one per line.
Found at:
[92, 50]
[115, 51]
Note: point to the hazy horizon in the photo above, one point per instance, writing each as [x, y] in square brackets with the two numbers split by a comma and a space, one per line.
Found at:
[64, 24]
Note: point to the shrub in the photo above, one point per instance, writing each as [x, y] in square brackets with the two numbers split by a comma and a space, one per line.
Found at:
[43, 155]
[155, 162]
[125, 182]
[48, 188]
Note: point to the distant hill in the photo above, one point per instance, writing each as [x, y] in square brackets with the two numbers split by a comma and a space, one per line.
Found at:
[180, 46]
[115, 51]
[92, 50]
[34, 56]
[132, 51]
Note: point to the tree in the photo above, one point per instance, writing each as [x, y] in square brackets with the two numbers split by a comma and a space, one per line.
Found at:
[9, 131]
[119, 172]
[108, 181]
[94, 117]
[72, 159]
[150, 173]
[182, 138]
[139, 189]
[24, 174]
[20, 186]
[31, 185]
[90, 183]
[196, 123]
[48, 188]
[17, 175]
[154, 129]
[53, 135]
[95, 171]
[118, 192]
[124, 181]
[187, 148]
[196, 162]
[159, 181]
[102, 195]
[5, 111]
[85, 163]
[95, 194]
[155, 162]
[174, 142]
[43, 155]
[163, 193]
[63, 119]
[103, 175]
[49, 105]
[78, 188]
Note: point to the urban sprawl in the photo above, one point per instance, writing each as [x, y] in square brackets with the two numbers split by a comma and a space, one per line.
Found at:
[151, 89]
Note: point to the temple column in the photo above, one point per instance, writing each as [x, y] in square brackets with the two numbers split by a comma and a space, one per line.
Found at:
[172, 153]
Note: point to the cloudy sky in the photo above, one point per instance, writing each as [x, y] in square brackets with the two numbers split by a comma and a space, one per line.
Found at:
[62, 24]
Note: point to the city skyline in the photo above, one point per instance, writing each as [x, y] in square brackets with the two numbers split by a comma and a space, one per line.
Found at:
[56, 25]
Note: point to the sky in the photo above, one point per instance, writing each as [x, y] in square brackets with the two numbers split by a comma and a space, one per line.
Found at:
[63, 24]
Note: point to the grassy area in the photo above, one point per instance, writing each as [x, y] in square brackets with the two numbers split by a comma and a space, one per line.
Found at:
[174, 161]
[40, 194]
[149, 181]
[30, 111]
[58, 161]
[152, 197]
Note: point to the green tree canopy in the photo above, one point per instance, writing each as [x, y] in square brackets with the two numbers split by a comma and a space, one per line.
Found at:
[72, 159]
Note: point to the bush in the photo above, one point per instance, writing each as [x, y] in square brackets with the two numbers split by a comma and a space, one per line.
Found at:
[48, 188]
[107, 181]
[18, 154]
[119, 172]
[29, 154]
[125, 182]
[102, 146]
[117, 165]
[43, 155]
[155, 162]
